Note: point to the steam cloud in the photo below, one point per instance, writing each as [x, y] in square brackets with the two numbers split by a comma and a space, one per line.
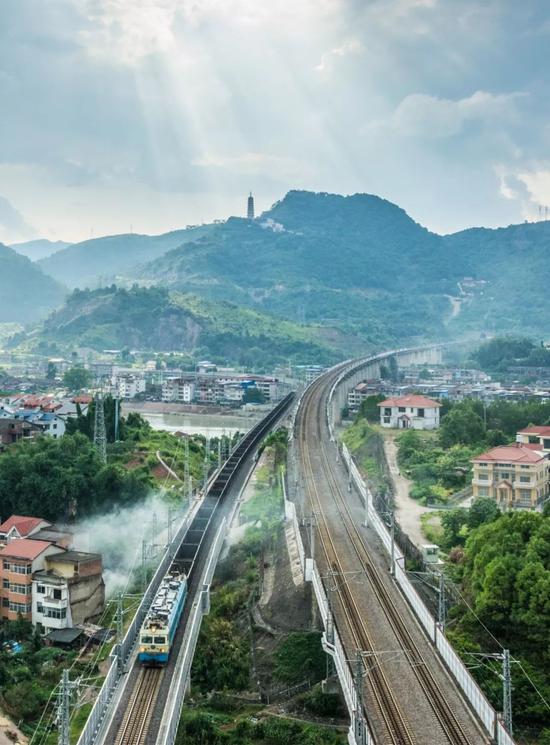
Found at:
[118, 537]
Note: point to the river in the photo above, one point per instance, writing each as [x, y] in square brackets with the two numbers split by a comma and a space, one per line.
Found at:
[210, 425]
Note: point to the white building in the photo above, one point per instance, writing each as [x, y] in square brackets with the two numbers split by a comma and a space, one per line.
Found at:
[410, 412]
[51, 605]
[178, 390]
[128, 386]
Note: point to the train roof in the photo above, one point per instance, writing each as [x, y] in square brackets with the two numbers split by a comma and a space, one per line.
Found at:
[163, 604]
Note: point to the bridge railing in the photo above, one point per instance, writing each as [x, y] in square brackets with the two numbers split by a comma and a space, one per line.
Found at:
[472, 691]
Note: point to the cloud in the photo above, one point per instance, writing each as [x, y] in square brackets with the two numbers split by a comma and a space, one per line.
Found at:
[426, 116]
[349, 47]
[13, 226]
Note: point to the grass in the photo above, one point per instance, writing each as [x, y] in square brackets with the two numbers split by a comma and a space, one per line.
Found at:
[431, 527]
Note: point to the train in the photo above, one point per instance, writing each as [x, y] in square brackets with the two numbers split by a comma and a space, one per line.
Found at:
[162, 619]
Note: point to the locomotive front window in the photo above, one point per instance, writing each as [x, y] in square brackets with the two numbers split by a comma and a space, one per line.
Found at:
[146, 639]
[160, 640]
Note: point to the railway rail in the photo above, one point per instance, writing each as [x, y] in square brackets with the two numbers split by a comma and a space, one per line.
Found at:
[136, 720]
[395, 729]
[140, 709]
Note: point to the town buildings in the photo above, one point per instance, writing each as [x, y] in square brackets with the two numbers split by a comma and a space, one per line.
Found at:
[516, 476]
[44, 582]
[409, 412]
[180, 390]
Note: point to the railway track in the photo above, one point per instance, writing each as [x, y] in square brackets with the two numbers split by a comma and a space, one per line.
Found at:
[397, 729]
[135, 724]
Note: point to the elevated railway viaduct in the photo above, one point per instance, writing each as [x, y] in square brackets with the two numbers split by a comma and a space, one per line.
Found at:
[403, 691]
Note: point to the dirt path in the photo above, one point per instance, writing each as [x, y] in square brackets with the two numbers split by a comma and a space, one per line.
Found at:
[8, 731]
[408, 509]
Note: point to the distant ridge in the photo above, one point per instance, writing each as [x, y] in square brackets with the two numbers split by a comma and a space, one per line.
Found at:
[39, 248]
[87, 263]
[26, 293]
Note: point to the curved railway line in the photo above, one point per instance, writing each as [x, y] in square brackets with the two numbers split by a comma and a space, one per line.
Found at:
[397, 730]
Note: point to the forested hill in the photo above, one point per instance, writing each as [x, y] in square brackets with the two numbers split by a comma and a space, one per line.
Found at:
[362, 263]
[26, 293]
[85, 264]
[156, 319]
[325, 259]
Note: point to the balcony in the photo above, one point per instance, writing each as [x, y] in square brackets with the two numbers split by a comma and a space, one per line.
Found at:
[54, 602]
[524, 485]
[482, 482]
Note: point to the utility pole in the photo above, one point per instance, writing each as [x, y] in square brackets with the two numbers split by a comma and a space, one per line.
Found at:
[366, 517]
[309, 522]
[64, 709]
[117, 414]
[100, 436]
[206, 463]
[359, 724]
[219, 452]
[144, 565]
[119, 632]
[186, 471]
[391, 515]
[442, 603]
[507, 690]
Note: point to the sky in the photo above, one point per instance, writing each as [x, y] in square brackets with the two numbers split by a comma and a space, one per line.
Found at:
[134, 115]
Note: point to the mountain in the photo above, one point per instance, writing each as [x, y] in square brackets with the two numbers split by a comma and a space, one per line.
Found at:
[510, 275]
[90, 262]
[361, 264]
[156, 320]
[356, 262]
[26, 293]
[39, 249]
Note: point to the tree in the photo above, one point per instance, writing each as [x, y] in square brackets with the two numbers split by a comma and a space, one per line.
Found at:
[483, 510]
[453, 523]
[253, 395]
[369, 409]
[76, 379]
[462, 425]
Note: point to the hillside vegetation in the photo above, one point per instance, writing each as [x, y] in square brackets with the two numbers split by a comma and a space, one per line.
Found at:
[26, 293]
[155, 319]
[85, 264]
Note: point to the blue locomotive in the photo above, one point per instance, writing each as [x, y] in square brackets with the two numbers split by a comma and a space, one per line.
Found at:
[162, 619]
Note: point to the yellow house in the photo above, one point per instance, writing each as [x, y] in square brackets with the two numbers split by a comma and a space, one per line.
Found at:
[516, 476]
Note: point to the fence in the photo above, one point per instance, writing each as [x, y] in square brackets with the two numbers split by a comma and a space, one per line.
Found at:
[463, 677]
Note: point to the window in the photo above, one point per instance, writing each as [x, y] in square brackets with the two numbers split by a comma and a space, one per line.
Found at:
[19, 569]
[39, 608]
[20, 589]
[7, 566]
[546, 444]
[40, 589]
[56, 593]
[160, 640]
[5, 603]
[55, 613]
[401, 409]
[483, 491]
[387, 412]
[20, 607]
[6, 584]
[146, 639]
[525, 479]
[483, 476]
[420, 412]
